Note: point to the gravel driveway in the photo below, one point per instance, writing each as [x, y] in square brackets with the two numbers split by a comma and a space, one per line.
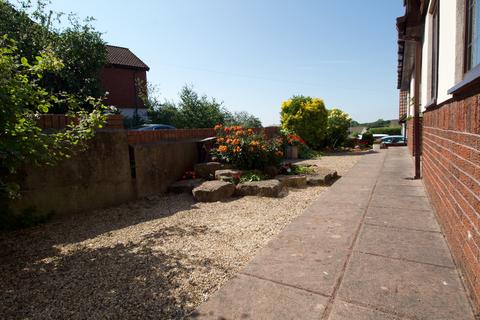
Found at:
[155, 258]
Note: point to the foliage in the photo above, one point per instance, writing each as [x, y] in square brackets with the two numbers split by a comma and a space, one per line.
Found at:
[367, 137]
[198, 111]
[79, 46]
[375, 124]
[245, 149]
[251, 176]
[300, 169]
[307, 117]
[386, 130]
[305, 152]
[337, 128]
[22, 101]
[243, 119]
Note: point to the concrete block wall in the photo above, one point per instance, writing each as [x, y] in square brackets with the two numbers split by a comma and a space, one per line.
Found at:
[451, 171]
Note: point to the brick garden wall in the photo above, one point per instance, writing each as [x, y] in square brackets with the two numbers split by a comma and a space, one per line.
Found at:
[451, 170]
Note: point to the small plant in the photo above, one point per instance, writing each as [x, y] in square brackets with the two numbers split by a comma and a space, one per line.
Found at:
[303, 170]
[251, 176]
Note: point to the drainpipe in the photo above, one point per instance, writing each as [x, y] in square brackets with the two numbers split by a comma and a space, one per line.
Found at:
[416, 112]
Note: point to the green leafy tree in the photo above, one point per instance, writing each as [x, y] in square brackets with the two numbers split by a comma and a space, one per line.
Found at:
[337, 128]
[307, 117]
[243, 119]
[79, 46]
[22, 101]
[199, 111]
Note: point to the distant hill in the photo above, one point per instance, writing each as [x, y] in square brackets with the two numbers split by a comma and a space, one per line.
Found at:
[376, 124]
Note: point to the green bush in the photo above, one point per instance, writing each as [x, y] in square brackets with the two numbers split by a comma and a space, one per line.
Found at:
[392, 131]
[337, 128]
[307, 117]
[368, 138]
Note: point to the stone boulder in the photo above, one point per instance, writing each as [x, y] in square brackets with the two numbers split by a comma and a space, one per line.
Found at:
[184, 186]
[227, 174]
[265, 188]
[292, 181]
[322, 176]
[207, 170]
[211, 191]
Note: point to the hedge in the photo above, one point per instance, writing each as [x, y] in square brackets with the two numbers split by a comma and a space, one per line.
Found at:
[386, 130]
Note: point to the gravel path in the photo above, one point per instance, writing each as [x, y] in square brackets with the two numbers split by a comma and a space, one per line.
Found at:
[155, 258]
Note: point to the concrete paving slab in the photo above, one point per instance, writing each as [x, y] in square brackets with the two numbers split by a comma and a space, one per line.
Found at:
[400, 202]
[247, 297]
[404, 191]
[420, 246]
[401, 218]
[404, 180]
[347, 311]
[417, 290]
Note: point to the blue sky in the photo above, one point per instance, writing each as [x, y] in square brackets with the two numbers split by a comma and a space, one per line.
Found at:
[253, 54]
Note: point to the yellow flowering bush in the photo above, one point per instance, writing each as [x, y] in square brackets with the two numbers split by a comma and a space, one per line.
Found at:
[307, 117]
[245, 149]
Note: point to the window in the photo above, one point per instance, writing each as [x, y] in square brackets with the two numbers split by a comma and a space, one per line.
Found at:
[472, 45]
[435, 44]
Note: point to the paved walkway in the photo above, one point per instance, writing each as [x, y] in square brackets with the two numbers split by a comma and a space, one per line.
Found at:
[368, 248]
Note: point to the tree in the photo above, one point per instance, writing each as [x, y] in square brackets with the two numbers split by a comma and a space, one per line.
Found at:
[243, 119]
[337, 127]
[22, 101]
[199, 111]
[79, 46]
[307, 117]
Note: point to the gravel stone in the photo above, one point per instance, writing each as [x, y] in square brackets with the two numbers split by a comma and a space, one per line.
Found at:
[149, 259]
[207, 170]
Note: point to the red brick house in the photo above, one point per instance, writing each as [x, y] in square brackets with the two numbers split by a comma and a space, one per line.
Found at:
[120, 78]
[439, 80]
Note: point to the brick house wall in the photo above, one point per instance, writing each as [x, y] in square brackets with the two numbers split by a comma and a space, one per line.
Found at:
[451, 171]
[410, 136]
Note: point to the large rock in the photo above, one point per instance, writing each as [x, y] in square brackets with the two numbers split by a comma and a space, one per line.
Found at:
[207, 170]
[266, 188]
[292, 181]
[184, 186]
[323, 176]
[211, 191]
[227, 174]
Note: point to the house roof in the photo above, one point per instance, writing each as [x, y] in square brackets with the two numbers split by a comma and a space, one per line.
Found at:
[123, 57]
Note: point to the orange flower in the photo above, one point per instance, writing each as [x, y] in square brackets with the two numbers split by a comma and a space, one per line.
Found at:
[279, 153]
[250, 130]
[222, 149]
[220, 140]
[235, 142]
[229, 141]
[218, 126]
[239, 132]
[254, 143]
[238, 149]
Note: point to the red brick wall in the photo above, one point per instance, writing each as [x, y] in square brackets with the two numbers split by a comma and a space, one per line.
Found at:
[120, 84]
[410, 136]
[183, 134]
[451, 170]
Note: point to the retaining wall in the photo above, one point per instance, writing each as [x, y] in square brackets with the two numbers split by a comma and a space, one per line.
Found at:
[451, 170]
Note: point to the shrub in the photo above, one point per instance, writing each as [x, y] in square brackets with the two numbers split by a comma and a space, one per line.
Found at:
[245, 149]
[307, 117]
[251, 176]
[337, 128]
[367, 137]
[386, 130]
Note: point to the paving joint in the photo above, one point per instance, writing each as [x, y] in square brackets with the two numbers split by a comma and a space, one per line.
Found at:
[331, 301]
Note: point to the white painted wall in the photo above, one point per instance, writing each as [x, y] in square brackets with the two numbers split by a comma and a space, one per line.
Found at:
[446, 60]
[426, 63]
